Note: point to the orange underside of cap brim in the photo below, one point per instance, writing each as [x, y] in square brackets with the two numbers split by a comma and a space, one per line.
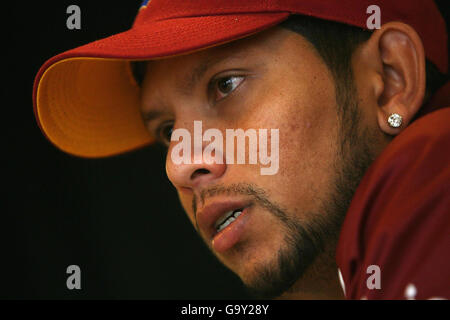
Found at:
[86, 101]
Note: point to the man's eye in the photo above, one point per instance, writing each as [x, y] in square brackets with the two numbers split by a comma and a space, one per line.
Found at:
[224, 86]
[165, 132]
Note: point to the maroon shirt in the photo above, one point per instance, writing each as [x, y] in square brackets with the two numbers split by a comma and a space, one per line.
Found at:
[399, 218]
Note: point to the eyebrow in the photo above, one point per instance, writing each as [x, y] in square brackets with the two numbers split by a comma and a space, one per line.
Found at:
[151, 115]
[187, 83]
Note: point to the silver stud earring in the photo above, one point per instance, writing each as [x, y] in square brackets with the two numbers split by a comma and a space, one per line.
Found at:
[395, 120]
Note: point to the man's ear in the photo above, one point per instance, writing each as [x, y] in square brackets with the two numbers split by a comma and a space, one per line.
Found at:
[399, 59]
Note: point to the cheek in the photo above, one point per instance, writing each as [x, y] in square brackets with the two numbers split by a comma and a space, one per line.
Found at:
[310, 128]
[305, 113]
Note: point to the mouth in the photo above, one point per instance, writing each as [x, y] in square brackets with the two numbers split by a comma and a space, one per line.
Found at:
[228, 218]
[224, 221]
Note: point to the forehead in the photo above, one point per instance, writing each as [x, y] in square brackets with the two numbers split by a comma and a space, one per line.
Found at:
[180, 74]
[248, 47]
[172, 83]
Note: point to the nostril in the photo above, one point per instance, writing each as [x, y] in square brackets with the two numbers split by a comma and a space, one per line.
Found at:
[199, 172]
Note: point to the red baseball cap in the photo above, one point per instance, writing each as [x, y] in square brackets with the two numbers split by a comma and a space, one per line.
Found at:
[86, 101]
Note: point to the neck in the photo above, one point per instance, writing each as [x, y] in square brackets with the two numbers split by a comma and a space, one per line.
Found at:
[319, 282]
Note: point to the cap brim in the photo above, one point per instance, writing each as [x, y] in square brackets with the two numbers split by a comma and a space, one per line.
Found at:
[86, 101]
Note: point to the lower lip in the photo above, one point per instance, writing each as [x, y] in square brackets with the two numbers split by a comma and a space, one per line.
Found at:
[229, 236]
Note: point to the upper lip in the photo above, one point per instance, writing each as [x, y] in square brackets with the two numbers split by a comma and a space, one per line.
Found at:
[207, 217]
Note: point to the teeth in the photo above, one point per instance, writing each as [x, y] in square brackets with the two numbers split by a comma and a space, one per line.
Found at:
[226, 223]
[224, 217]
[228, 218]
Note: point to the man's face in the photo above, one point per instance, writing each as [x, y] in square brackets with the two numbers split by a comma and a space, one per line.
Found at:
[274, 80]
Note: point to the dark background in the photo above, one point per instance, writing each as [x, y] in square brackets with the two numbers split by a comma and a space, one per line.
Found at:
[119, 219]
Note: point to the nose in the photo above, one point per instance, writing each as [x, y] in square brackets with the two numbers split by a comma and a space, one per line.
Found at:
[195, 175]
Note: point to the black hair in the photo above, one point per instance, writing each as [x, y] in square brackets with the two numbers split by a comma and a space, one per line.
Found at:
[335, 42]
[138, 69]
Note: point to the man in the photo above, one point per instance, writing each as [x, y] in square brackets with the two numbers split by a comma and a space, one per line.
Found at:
[362, 177]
